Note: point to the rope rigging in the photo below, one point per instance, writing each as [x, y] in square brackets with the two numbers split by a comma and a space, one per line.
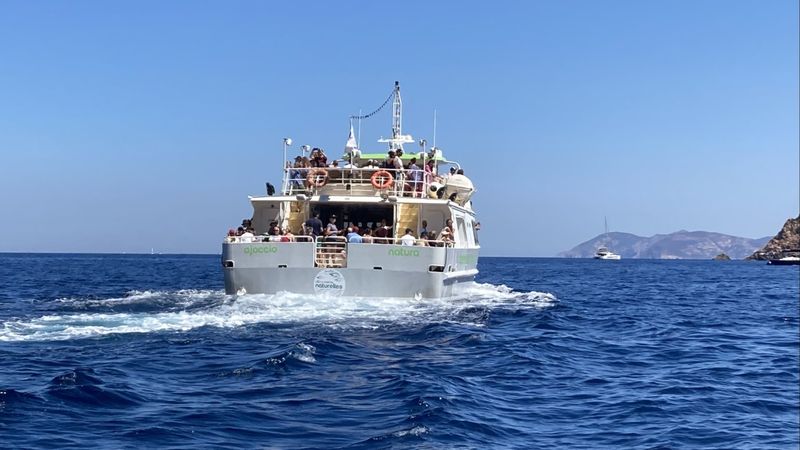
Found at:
[367, 116]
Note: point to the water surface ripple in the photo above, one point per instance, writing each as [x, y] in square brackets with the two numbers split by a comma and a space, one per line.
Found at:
[126, 351]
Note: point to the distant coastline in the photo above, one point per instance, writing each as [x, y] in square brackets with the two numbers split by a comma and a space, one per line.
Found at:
[678, 245]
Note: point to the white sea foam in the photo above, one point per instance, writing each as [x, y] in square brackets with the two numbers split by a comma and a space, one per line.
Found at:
[281, 308]
[183, 297]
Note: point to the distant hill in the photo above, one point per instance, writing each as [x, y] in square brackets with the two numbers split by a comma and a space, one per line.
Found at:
[788, 239]
[679, 245]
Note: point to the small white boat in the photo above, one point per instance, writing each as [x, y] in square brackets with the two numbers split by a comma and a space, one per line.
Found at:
[785, 261]
[604, 253]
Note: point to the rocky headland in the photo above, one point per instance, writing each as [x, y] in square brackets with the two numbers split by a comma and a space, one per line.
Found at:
[787, 240]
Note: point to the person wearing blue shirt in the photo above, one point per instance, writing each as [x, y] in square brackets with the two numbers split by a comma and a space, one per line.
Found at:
[353, 237]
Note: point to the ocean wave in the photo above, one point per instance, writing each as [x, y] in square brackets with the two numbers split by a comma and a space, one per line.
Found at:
[204, 308]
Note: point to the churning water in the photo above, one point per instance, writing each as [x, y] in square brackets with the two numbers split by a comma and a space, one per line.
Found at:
[147, 351]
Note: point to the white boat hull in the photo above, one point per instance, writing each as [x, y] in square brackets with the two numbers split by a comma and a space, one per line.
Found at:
[370, 270]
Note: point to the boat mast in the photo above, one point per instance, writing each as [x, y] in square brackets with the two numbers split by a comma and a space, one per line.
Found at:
[398, 138]
[397, 118]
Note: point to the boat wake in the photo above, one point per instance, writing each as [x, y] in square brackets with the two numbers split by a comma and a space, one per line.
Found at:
[154, 311]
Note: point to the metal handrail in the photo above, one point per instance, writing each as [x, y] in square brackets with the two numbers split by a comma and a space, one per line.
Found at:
[417, 242]
[259, 238]
[295, 179]
[339, 239]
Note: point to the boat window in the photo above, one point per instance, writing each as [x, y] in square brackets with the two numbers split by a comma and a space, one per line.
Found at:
[462, 232]
[469, 236]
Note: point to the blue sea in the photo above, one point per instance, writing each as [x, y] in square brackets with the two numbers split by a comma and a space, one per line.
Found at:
[145, 351]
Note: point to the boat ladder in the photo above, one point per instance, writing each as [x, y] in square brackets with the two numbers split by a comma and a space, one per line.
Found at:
[331, 252]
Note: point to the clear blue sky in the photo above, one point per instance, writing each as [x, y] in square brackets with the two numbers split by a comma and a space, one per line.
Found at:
[131, 125]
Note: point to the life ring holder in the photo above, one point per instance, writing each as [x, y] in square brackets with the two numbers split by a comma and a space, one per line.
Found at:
[382, 179]
[317, 177]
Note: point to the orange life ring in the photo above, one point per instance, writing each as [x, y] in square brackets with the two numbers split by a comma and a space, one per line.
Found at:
[317, 177]
[381, 179]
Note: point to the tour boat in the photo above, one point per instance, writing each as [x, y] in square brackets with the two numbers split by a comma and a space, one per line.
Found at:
[360, 194]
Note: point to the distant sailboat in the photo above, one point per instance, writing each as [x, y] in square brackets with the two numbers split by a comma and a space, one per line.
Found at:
[603, 252]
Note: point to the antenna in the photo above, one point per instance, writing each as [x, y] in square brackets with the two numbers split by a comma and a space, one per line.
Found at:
[359, 127]
[434, 128]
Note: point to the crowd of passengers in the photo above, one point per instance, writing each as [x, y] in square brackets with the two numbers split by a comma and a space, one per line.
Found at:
[411, 174]
[377, 233]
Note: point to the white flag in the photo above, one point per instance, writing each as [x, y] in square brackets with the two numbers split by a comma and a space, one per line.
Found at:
[351, 147]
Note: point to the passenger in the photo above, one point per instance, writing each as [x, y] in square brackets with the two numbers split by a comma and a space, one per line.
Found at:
[334, 164]
[423, 239]
[240, 231]
[313, 226]
[330, 247]
[447, 232]
[445, 237]
[247, 236]
[297, 174]
[353, 237]
[432, 239]
[408, 239]
[287, 236]
[415, 177]
[275, 234]
[367, 238]
[388, 163]
[393, 162]
[460, 172]
[424, 229]
[231, 236]
[383, 233]
[371, 164]
[330, 230]
[318, 158]
[430, 171]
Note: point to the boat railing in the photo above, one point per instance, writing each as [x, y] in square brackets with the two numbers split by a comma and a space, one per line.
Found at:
[399, 182]
[332, 242]
[268, 238]
[417, 242]
[330, 252]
